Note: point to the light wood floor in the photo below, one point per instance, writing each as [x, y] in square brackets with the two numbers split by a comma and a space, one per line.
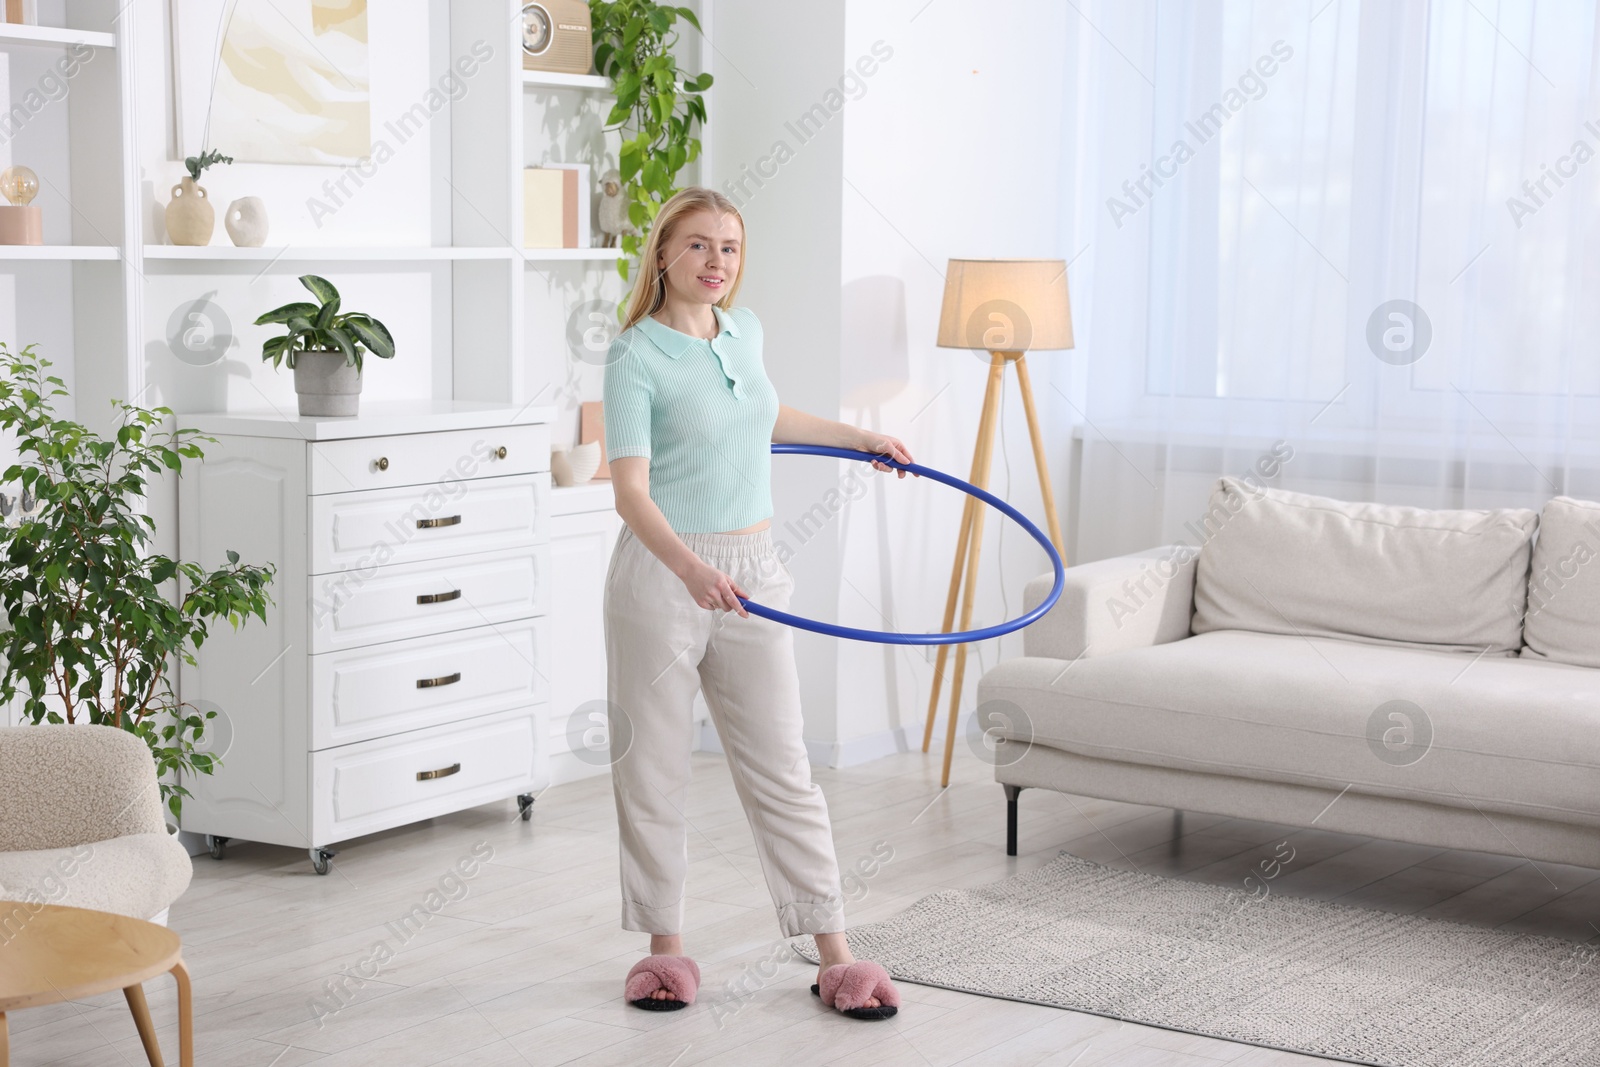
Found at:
[525, 964]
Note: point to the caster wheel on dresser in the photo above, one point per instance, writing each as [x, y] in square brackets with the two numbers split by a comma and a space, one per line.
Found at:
[320, 860]
[525, 806]
[216, 845]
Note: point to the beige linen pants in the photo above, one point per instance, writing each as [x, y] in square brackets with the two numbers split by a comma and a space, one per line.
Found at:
[660, 647]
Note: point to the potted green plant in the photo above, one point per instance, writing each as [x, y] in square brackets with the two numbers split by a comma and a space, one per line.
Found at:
[89, 635]
[656, 108]
[324, 347]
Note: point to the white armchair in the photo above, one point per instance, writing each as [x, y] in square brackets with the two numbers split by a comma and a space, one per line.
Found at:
[81, 824]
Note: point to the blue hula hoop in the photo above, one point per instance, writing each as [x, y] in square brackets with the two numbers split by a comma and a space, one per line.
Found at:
[884, 637]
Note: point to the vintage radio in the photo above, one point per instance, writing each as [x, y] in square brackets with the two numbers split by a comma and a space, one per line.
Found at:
[556, 36]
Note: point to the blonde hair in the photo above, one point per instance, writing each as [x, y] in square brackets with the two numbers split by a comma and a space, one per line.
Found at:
[650, 288]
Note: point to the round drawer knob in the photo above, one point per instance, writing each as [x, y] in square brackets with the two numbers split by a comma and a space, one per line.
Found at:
[500, 453]
[383, 463]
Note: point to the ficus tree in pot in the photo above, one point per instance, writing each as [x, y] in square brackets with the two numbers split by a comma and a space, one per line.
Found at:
[657, 104]
[89, 636]
[324, 347]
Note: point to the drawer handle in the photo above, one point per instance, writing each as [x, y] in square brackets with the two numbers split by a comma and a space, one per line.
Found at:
[443, 679]
[382, 463]
[500, 453]
[434, 524]
[438, 598]
[442, 772]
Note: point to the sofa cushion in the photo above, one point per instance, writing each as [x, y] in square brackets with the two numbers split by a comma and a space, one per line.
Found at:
[1563, 622]
[137, 875]
[1500, 735]
[1286, 563]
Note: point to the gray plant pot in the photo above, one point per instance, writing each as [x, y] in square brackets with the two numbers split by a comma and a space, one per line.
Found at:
[325, 384]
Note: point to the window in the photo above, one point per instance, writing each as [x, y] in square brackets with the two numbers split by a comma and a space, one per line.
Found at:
[1299, 165]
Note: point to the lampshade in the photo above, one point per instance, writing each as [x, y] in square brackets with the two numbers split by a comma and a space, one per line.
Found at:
[1006, 305]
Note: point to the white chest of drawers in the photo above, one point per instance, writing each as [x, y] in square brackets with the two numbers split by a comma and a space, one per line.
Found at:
[403, 671]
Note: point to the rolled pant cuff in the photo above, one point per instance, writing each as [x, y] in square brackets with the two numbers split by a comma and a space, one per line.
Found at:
[812, 917]
[646, 920]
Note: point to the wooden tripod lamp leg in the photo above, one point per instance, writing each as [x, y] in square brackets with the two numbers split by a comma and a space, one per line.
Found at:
[949, 619]
[980, 479]
[1038, 459]
[986, 424]
[949, 612]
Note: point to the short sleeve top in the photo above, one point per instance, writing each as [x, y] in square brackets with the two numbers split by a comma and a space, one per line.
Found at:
[702, 411]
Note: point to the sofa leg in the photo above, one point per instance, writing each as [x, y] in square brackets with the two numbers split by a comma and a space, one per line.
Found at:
[1177, 831]
[1012, 791]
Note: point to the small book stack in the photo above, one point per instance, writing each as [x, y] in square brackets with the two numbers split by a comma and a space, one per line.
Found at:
[555, 206]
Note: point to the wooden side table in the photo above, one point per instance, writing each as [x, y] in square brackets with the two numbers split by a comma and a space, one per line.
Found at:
[55, 954]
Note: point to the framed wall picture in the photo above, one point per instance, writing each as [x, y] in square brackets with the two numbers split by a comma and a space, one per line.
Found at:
[272, 81]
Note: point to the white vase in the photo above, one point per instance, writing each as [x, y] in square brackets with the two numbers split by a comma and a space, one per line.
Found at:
[584, 460]
[190, 216]
[246, 220]
[560, 469]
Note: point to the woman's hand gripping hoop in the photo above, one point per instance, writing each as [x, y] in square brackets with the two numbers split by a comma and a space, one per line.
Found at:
[961, 638]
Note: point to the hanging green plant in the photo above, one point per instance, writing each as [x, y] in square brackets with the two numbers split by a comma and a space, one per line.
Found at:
[657, 106]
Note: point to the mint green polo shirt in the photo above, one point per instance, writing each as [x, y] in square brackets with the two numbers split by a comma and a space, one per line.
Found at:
[702, 411]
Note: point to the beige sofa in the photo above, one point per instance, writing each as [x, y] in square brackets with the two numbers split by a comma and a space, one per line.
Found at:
[1374, 670]
[82, 825]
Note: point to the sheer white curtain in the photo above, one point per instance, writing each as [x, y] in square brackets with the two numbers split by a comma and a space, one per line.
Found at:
[1350, 245]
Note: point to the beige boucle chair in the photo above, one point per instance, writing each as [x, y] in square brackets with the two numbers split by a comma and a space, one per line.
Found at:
[81, 823]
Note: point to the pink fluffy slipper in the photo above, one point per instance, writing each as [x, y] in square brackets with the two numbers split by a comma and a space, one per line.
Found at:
[678, 975]
[846, 986]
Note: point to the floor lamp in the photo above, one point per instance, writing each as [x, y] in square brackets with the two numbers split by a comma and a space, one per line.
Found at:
[1007, 308]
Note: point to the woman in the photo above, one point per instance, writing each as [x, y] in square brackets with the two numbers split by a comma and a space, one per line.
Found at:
[690, 419]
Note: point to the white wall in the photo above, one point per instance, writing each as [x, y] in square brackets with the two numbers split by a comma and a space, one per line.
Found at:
[952, 150]
[770, 66]
[943, 140]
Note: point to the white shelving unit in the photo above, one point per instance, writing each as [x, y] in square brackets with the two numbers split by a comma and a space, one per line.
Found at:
[329, 253]
[102, 214]
[81, 148]
[535, 256]
[35, 253]
[104, 185]
[106, 244]
[55, 35]
[540, 79]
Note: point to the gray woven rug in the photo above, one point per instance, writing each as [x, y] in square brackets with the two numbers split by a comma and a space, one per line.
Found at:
[1302, 975]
